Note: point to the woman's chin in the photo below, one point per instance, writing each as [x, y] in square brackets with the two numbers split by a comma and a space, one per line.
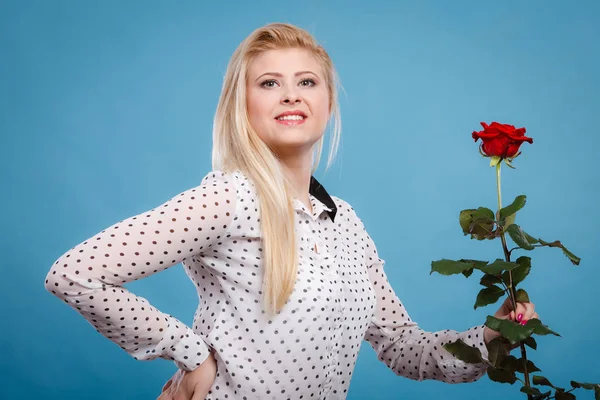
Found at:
[293, 147]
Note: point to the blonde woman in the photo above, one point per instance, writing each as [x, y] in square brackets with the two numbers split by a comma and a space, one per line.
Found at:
[289, 280]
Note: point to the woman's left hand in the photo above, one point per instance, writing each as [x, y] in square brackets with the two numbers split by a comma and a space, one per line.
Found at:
[523, 313]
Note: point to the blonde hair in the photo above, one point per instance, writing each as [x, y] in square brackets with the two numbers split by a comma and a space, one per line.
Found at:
[236, 146]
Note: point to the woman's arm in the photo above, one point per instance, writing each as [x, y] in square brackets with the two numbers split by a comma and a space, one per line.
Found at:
[403, 346]
[90, 276]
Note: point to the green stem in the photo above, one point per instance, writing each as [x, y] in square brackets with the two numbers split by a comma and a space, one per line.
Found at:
[499, 190]
[568, 391]
[510, 286]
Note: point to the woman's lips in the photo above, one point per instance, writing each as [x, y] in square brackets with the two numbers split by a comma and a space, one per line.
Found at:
[290, 121]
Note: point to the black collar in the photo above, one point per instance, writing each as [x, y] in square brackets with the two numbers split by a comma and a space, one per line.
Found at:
[317, 190]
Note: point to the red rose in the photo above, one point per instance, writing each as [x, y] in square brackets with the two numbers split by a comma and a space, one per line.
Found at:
[501, 140]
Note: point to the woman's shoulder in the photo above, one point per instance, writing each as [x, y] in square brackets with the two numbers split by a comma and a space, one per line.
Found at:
[238, 185]
[232, 178]
[218, 175]
[345, 211]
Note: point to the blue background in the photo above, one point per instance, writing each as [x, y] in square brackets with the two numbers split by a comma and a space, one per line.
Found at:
[106, 111]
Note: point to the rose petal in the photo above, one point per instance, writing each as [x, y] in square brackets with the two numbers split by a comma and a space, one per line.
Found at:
[502, 140]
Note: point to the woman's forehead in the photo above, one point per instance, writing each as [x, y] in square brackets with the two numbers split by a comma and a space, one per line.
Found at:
[284, 61]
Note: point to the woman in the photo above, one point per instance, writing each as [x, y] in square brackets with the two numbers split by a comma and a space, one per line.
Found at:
[290, 285]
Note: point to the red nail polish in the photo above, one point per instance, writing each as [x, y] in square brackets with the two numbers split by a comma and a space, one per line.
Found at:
[519, 317]
[524, 322]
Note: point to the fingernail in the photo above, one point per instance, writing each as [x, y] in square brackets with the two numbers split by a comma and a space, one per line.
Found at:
[524, 322]
[519, 317]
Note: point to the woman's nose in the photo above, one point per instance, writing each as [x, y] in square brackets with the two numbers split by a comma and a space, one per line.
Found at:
[290, 97]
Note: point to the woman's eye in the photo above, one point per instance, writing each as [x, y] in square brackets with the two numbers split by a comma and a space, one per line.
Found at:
[269, 83]
[307, 82]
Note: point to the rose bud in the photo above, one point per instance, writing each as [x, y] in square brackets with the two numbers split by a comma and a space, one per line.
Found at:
[501, 140]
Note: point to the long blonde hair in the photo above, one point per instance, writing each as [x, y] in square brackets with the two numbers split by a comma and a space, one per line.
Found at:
[236, 146]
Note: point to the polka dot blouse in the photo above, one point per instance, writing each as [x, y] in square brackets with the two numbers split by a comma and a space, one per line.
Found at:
[308, 350]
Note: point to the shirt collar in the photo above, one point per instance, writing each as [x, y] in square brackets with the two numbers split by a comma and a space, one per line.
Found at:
[318, 191]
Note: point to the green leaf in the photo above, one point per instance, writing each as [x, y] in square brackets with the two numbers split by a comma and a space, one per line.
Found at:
[464, 352]
[509, 220]
[449, 267]
[478, 223]
[499, 375]
[531, 367]
[543, 396]
[498, 348]
[520, 273]
[531, 390]
[588, 386]
[468, 272]
[498, 266]
[511, 209]
[488, 295]
[489, 280]
[510, 364]
[522, 296]
[519, 237]
[540, 380]
[530, 238]
[560, 395]
[530, 341]
[464, 218]
[539, 328]
[476, 264]
[512, 331]
[574, 259]
[483, 214]
[508, 164]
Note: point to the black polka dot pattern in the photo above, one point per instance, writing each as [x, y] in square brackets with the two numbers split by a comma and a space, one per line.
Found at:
[404, 347]
[89, 277]
[308, 350]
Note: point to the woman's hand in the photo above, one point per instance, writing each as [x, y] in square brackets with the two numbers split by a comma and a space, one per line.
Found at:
[523, 313]
[193, 385]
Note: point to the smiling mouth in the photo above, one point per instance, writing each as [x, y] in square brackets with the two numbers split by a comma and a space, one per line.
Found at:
[291, 119]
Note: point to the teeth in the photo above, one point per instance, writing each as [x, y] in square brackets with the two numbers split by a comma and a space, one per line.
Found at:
[291, 118]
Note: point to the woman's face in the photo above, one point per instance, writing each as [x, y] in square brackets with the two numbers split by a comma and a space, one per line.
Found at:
[287, 99]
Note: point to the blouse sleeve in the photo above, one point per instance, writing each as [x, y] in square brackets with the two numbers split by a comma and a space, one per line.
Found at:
[90, 276]
[404, 347]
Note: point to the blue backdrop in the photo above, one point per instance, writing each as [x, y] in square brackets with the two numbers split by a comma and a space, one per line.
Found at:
[106, 111]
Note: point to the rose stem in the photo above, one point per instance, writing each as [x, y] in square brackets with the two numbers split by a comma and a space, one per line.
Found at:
[511, 288]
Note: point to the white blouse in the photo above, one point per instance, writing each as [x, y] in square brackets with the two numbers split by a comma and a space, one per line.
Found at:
[308, 350]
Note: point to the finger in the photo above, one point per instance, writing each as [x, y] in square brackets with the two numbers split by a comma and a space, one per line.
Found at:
[180, 395]
[525, 313]
[505, 310]
[164, 396]
[507, 305]
[530, 310]
[526, 310]
[520, 312]
[178, 384]
[511, 316]
[167, 385]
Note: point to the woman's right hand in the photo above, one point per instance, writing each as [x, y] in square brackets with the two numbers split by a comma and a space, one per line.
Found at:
[193, 385]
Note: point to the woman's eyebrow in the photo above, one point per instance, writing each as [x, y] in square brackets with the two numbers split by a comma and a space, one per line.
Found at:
[279, 75]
